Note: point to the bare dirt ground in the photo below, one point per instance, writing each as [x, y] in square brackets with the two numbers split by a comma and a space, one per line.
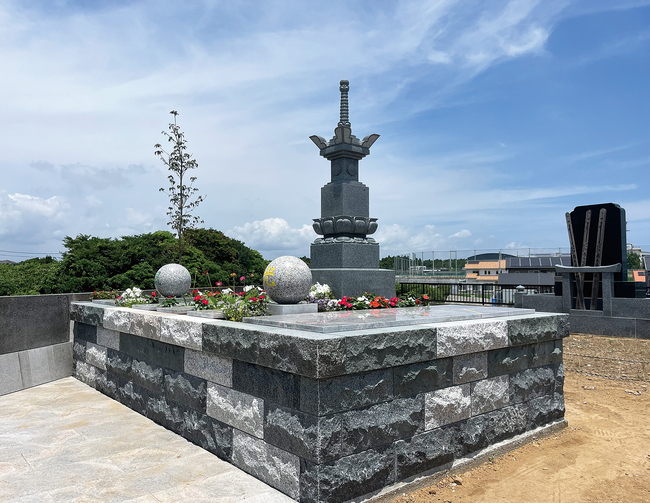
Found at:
[602, 456]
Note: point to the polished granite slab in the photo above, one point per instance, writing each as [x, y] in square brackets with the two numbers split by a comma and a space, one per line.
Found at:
[344, 321]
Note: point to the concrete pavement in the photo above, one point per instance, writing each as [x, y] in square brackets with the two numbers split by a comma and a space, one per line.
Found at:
[63, 441]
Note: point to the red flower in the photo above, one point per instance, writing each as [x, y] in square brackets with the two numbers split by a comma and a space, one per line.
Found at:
[205, 302]
[262, 297]
[205, 272]
[153, 294]
[348, 305]
[425, 297]
[198, 297]
[417, 302]
[218, 283]
[392, 304]
[253, 299]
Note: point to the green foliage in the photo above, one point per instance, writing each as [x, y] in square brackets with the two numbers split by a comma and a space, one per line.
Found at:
[387, 263]
[181, 195]
[92, 263]
[633, 261]
[437, 293]
[30, 277]
[306, 260]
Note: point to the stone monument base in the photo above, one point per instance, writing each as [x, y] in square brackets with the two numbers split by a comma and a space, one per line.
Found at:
[351, 282]
[282, 309]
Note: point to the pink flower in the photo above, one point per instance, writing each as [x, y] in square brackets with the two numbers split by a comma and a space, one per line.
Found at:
[242, 278]
[218, 283]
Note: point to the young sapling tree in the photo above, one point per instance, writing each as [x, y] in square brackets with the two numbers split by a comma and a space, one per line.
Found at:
[181, 192]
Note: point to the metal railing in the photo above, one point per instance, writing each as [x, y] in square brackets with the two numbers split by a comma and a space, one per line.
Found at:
[470, 293]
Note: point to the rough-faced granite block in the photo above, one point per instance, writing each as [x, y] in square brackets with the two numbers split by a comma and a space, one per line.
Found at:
[331, 357]
[447, 405]
[532, 328]
[96, 355]
[563, 326]
[86, 313]
[480, 431]
[463, 337]
[531, 383]
[276, 386]
[10, 377]
[490, 394]
[185, 389]
[337, 394]
[108, 384]
[545, 409]
[181, 332]
[268, 463]
[145, 325]
[148, 376]
[297, 355]
[133, 396]
[507, 360]
[154, 352]
[108, 338]
[558, 370]
[86, 332]
[411, 380]
[208, 433]
[470, 367]
[317, 439]
[79, 350]
[425, 451]
[166, 413]
[215, 368]
[87, 374]
[546, 353]
[118, 364]
[378, 349]
[348, 477]
[118, 319]
[382, 424]
[230, 339]
[237, 409]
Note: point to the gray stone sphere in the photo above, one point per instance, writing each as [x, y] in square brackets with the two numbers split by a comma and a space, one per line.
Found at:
[287, 280]
[172, 280]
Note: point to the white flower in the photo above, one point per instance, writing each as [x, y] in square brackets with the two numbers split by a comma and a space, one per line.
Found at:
[248, 288]
[226, 291]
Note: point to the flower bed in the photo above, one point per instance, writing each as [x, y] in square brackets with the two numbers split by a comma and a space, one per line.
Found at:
[322, 295]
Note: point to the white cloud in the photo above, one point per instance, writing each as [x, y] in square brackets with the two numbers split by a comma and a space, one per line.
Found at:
[272, 236]
[461, 234]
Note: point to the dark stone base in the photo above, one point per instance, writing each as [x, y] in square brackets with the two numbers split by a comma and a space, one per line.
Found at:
[354, 282]
[346, 255]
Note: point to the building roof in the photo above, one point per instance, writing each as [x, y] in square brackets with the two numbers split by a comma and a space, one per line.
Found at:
[485, 264]
[537, 262]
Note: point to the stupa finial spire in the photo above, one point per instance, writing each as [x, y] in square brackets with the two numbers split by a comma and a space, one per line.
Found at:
[344, 87]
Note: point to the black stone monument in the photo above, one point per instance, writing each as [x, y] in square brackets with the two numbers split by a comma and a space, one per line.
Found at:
[345, 258]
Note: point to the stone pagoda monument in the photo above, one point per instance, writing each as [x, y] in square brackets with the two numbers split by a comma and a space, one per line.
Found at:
[345, 257]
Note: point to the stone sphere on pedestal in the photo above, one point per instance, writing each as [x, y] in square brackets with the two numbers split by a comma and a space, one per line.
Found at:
[172, 280]
[287, 280]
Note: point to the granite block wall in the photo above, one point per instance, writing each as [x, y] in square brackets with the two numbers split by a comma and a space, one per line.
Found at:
[328, 417]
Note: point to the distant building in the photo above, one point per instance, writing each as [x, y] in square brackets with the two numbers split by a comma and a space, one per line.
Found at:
[484, 270]
[538, 270]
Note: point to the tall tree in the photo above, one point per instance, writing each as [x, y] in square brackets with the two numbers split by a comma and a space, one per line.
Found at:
[182, 195]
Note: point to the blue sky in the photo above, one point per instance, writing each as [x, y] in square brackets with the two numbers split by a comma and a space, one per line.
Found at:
[496, 117]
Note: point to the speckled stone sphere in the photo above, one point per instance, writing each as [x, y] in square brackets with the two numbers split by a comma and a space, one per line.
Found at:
[287, 280]
[173, 280]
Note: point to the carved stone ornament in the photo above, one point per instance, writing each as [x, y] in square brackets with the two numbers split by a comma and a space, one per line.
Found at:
[344, 224]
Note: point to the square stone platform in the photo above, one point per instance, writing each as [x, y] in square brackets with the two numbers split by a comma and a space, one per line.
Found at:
[332, 407]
